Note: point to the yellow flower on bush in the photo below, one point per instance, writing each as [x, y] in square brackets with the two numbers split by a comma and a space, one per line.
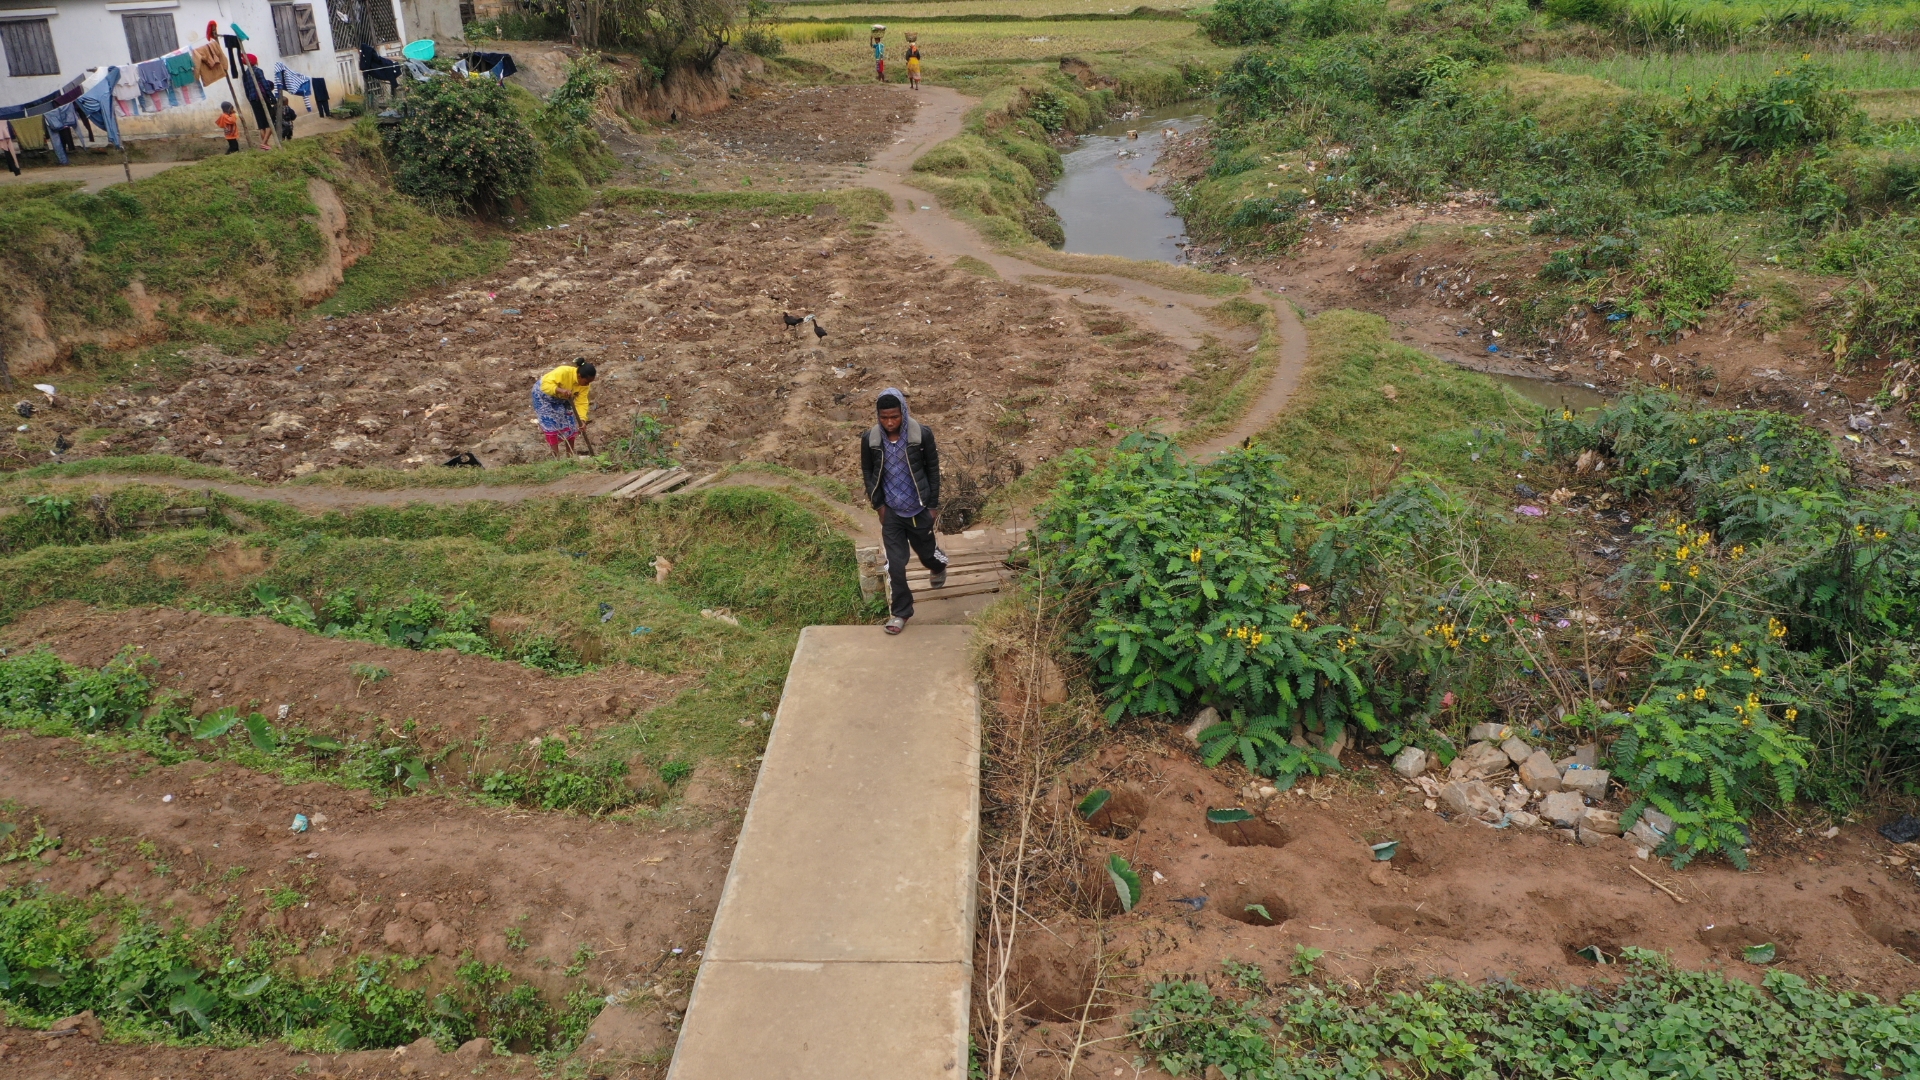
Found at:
[1693, 571]
[1666, 587]
[1738, 550]
[1734, 648]
[1765, 469]
[1699, 693]
[1793, 714]
[1299, 620]
[1757, 673]
[1776, 628]
[1195, 556]
[1682, 552]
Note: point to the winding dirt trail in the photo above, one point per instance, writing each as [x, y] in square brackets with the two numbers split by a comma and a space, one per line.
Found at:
[941, 115]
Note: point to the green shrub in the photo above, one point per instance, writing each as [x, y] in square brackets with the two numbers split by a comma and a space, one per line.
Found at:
[1216, 584]
[461, 144]
[1255, 22]
[1591, 12]
[566, 120]
[1795, 108]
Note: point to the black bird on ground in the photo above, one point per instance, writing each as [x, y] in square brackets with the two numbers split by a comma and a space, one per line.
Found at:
[818, 330]
[793, 320]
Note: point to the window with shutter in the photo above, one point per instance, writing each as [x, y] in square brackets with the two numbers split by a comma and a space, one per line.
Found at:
[29, 47]
[149, 36]
[303, 27]
[284, 33]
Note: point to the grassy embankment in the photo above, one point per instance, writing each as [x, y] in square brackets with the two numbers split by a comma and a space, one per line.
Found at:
[211, 251]
[551, 562]
[1666, 184]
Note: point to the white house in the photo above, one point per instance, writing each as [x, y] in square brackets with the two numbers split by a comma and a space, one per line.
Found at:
[47, 43]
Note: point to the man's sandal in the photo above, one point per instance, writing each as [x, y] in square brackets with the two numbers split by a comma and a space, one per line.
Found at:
[896, 624]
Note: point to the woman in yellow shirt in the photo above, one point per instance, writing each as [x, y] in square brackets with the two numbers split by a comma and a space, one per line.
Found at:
[560, 403]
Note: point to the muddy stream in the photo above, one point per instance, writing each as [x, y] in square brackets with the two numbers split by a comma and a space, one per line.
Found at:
[1106, 197]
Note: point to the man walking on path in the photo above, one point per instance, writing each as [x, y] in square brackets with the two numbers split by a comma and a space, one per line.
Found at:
[901, 468]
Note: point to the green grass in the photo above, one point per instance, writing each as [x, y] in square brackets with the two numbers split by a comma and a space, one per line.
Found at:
[753, 550]
[1218, 399]
[858, 205]
[1677, 73]
[889, 10]
[374, 478]
[958, 54]
[1340, 428]
[380, 478]
[130, 465]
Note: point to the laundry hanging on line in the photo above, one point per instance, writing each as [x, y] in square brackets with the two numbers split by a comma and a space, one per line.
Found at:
[41, 105]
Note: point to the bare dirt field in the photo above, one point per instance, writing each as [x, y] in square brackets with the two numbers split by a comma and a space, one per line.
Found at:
[682, 312]
[1458, 900]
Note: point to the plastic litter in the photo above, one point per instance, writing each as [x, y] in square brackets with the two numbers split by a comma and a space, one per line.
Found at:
[1493, 348]
[1616, 316]
[1197, 903]
[606, 611]
[1384, 852]
[509, 311]
[1903, 831]
[1529, 510]
[166, 798]
[300, 823]
[638, 630]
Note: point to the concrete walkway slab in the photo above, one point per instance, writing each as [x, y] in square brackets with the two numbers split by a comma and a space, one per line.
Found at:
[843, 942]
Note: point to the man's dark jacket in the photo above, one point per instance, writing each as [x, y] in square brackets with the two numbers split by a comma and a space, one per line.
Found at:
[923, 460]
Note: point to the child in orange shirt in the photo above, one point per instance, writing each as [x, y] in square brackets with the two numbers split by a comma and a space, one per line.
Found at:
[229, 126]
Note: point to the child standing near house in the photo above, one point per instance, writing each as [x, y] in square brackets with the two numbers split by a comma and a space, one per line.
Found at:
[229, 123]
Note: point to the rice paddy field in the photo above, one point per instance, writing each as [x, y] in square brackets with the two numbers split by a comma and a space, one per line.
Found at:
[1676, 73]
[883, 10]
[965, 55]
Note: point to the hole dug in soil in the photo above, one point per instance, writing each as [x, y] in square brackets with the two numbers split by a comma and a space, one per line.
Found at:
[1414, 919]
[1054, 975]
[1240, 907]
[1575, 944]
[1901, 939]
[1735, 936]
[1253, 832]
[1125, 809]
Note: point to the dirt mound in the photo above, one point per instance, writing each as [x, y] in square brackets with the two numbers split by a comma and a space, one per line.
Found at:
[258, 664]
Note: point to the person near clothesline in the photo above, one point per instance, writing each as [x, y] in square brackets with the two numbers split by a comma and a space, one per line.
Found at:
[229, 124]
[260, 96]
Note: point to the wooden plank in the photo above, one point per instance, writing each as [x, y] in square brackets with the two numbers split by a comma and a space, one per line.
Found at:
[628, 491]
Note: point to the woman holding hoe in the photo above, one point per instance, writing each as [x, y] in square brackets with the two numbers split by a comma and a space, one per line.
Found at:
[560, 404]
